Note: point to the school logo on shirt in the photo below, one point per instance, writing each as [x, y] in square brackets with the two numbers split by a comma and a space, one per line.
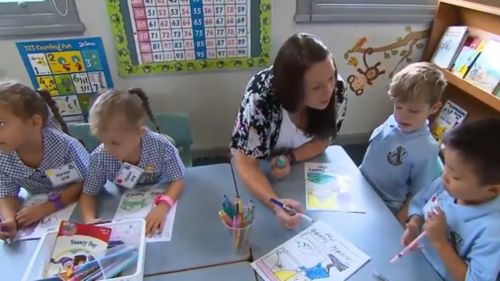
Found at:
[396, 156]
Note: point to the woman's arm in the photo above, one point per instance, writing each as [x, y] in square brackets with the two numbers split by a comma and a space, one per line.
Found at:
[258, 184]
[310, 149]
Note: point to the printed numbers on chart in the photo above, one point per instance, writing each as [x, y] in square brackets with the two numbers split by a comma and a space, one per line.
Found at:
[200, 44]
[143, 36]
[196, 11]
[209, 33]
[230, 21]
[220, 32]
[242, 42]
[164, 23]
[219, 21]
[179, 55]
[177, 34]
[184, 2]
[82, 83]
[186, 11]
[197, 22]
[157, 57]
[241, 21]
[241, 10]
[187, 33]
[139, 13]
[190, 55]
[162, 12]
[231, 42]
[208, 11]
[231, 31]
[156, 46]
[208, 2]
[178, 45]
[173, 12]
[188, 44]
[167, 46]
[173, 1]
[201, 54]
[242, 52]
[186, 23]
[166, 34]
[230, 10]
[161, 2]
[210, 43]
[151, 12]
[221, 43]
[198, 33]
[221, 53]
[209, 22]
[154, 35]
[219, 10]
[145, 47]
[141, 25]
[218, 1]
[149, 2]
[175, 23]
[241, 31]
[153, 24]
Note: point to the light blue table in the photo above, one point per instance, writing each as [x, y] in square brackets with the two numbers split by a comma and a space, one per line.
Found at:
[377, 232]
[241, 271]
[199, 239]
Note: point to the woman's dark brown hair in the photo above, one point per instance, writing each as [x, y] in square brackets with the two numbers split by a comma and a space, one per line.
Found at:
[294, 58]
[25, 102]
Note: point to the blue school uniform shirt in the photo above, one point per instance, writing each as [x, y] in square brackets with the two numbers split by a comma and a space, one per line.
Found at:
[473, 231]
[58, 149]
[159, 159]
[397, 164]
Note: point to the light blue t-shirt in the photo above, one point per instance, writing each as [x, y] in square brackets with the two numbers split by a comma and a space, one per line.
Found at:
[397, 164]
[473, 230]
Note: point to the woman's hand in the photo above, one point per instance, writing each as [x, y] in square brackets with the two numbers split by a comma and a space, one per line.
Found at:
[288, 220]
[279, 172]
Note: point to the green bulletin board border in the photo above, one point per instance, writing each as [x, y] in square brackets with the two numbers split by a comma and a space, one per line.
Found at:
[126, 66]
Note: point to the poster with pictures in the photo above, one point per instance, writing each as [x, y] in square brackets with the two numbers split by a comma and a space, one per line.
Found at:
[72, 70]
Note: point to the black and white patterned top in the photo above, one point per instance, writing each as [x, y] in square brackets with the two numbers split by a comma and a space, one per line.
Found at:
[257, 126]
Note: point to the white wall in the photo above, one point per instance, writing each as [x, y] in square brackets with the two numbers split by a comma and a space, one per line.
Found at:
[212, 99]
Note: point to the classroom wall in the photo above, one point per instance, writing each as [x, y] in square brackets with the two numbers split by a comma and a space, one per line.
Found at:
[212, 98]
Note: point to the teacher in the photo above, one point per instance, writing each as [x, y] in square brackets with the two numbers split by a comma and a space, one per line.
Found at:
[289, 113]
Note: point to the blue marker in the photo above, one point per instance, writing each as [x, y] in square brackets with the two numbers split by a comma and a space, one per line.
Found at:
[291, 210]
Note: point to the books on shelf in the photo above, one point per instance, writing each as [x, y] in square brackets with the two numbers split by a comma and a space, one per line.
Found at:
[485, 72]
[449, 46]
[467, 56]
[450, 116]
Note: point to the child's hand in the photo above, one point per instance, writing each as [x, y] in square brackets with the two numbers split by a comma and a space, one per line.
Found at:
[156, 218]
[409, 235]
[287, 220]
[29, 215]
[435, 226]
[8, 229]
[280, 173]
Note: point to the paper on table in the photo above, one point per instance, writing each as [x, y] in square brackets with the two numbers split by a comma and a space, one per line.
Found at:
[318, 252]
[138, 203]
[49, 223]
[328, 188]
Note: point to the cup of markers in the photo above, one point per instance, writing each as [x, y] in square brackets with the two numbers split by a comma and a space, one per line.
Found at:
[237, 218]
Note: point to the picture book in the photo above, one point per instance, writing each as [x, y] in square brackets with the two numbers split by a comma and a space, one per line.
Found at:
[467, 56]
[46, 224]
[76, 244]
[328, 189]
[317, 253]
[450, 116]
[485, 73]
[449, 46]
[137, 203]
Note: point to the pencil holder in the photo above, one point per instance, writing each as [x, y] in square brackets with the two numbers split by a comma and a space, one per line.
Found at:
[239, 236]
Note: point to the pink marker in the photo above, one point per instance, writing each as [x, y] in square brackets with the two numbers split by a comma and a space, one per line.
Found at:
[407, 248]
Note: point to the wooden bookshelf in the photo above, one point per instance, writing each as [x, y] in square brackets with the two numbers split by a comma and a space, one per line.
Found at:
[484, 16]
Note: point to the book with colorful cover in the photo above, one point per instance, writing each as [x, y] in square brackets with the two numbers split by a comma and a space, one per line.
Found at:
[467, 56]
[449, 46]
[76, 244]
[451, 115]
[485, 72]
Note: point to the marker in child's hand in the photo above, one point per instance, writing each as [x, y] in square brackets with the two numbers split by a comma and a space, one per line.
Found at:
[291, 210]
[407, 248]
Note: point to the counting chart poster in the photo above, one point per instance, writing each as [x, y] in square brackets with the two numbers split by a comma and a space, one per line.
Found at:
[168, 36]
[74, 71]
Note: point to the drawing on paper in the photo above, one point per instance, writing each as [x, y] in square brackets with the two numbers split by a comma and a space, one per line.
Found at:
[317, 253]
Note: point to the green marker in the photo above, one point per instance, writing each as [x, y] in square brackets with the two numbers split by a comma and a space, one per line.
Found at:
[281, 161]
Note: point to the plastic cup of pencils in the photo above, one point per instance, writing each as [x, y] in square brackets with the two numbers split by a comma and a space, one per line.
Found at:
[238, 226]
[239, 236]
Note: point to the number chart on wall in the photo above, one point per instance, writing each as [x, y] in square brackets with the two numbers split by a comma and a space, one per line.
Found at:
[164, 36]
[72, 70]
